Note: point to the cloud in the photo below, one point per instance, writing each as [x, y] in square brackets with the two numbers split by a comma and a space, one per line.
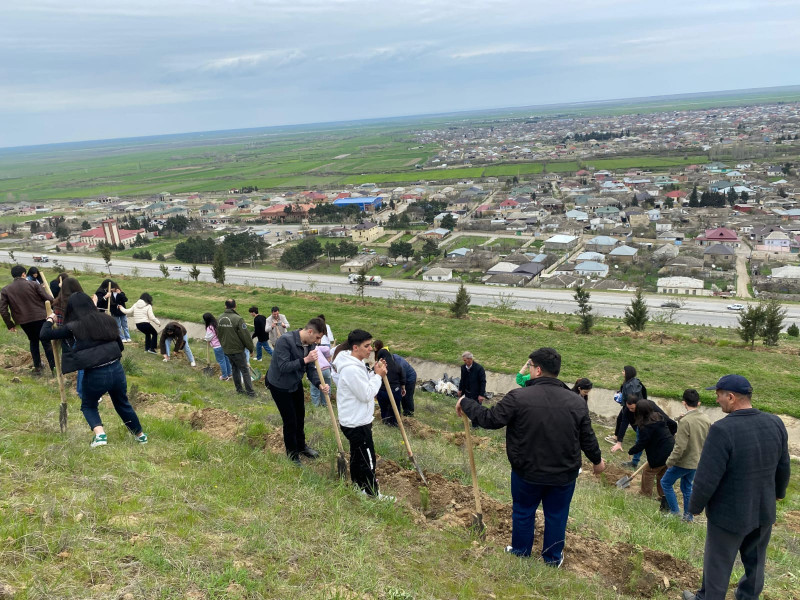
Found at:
[251, 64]
[499, 50]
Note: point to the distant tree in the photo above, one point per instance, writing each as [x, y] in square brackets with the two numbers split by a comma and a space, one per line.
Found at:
[105, 251]
[733, 197]
[460, 306]
[448, 222]
[68, 246]
[194, 272]
[745, 196]
[584, 310]
[669, 202]
[634, 202]
[14, 227]
[160, 257]
[636, 315]
[35, 227]
[11, 256]
[404, 249]
[361, 283]
[391, 204]
[62, 232]
[86, 225]
[347, 249]
[774, 315]
[178, 224]
[694, 201]
[143, 255]
[782, 192]
[164, 270]
[751, 323]
[218, 268]
[793, 330]
[430, 248]
[287, 209]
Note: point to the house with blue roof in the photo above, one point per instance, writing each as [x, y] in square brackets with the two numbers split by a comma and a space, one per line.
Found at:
[591, 268]
[602, 244]
[365, 203]
[623, 254]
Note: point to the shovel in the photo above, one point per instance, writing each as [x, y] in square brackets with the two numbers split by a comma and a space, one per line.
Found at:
[402, 429]
[477, 518]
[62, 413]
[625, 482]
[341, 461]
[208, 369]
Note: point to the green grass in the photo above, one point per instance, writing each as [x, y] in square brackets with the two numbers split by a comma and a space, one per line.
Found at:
[191, 516]
[165, 246]
[691, 356]
[506, 243]
[467, 241]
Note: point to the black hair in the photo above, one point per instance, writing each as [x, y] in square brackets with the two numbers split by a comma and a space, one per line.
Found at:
[210, 320]
[69, 286]
[147, 298]
[253, 309]
[547, 359]
[691, 397]
[230, 303]
[275, 309]
[105, 283]
[86, 322]
[633, 398]
[354, 338]
[582, 384]
[34, 272]
[647, 412]
[17, 271]
[172, 330]
[630, 372]
[317, 325]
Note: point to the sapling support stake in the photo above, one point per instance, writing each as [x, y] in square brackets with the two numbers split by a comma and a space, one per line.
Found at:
[477, 518]
[341, 461]
[402, 429]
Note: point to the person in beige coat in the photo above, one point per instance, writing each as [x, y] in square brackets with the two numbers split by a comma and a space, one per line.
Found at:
[682, 462]
[145, 320]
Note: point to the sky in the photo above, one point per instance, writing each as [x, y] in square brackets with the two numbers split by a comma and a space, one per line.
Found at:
[73, 70]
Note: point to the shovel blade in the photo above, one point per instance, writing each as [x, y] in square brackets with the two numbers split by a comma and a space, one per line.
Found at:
[62, 418]
[341, 467]
[625, 482]
[477, 524]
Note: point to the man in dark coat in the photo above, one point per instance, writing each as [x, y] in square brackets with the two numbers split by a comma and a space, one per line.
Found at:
[473, 380]
[743, 469]
[547, 427]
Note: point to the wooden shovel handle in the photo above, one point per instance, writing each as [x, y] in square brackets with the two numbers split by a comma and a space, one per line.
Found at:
[475, 488]
[388, 387]
[330, 409]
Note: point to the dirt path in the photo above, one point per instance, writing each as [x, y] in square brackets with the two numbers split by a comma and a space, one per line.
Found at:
[742, 277]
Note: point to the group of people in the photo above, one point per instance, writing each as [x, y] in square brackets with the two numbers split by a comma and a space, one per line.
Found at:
[734, 469]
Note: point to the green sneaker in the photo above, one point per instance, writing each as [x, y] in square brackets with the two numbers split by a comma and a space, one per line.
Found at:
[142, 439]
[99, 440]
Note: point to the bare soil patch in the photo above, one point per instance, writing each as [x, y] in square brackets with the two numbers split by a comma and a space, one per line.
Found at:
[791, 520]
[217, 423]
[423, 431]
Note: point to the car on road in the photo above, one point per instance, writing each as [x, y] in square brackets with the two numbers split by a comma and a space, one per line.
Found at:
[670, 304]
[177, 268]
[735, 307]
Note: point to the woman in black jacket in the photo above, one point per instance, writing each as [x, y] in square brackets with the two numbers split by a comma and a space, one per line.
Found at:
[91, 342]
[656, 439]
[397, 381]
[175, 333]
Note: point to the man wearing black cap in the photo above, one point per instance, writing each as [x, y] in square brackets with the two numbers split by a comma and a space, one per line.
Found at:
[743, 470]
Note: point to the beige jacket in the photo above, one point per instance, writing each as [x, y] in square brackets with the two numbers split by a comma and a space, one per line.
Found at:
[142, 313]
[689, 440]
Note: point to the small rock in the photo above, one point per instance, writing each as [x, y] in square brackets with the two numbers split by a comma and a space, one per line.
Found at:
[666, 582]
[79, 517]
[6, 591]
[63, 554]
[128, 596]
[14, 380]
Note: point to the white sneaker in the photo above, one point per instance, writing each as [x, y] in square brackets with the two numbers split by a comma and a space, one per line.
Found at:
[125, 341]
[386, 498]
[166, 359]
[194, 364]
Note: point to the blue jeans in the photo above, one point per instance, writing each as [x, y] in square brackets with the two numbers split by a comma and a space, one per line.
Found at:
[638, 456]
[111, 379]
[555, 501]
[223, 362]
[186, 348]
[317, 399]
[265, 346]
[79, 383]
[668, 480]
[122, 323]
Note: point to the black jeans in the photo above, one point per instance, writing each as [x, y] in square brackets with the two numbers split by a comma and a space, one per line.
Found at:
[150, 335]
[408, 400]
[111, 379]
[32, 330]
[240, 371]
[362, 457]
[292, 407]
[387, 414]
[720, 553]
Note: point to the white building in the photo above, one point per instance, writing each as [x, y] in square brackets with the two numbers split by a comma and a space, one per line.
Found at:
[682, 285]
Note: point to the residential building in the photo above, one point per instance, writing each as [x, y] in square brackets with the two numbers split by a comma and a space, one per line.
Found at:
[623, 255]
[720, 235]
[719, 255]
[561, 242]
[366, 232]
[591, 268]
[602, 244]
[437, 274]
[682, 285]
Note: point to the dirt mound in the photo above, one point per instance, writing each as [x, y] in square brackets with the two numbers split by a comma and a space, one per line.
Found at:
[17, 362]
[422, 431]
[791, 520]
[157, 405]
[217, 423]
[445, 503]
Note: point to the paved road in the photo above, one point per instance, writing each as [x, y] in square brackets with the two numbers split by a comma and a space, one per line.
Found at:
[697, 311]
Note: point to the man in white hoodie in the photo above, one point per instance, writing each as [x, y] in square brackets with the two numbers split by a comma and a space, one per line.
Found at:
[356, 405]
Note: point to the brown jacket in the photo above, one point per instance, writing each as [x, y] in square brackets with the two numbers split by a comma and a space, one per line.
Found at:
[689, 440]
[26, 299]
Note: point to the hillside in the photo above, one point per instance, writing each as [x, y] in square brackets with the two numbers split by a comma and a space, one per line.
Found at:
[211, 508]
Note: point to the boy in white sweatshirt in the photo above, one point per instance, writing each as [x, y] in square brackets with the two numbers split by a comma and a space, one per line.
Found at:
[355, 401]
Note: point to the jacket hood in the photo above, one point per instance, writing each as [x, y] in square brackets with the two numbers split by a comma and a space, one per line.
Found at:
[139, 303]
[346, 359]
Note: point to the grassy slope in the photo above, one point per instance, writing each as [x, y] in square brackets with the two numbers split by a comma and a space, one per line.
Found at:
[188, 516]
[689, 357]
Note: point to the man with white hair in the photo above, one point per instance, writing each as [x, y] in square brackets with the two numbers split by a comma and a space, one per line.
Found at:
[473, 380]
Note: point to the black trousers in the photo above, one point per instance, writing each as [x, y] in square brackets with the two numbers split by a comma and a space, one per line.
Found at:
[240, 371]
[387, 414]
[32, 330]
[720, 553]
[362, 457]
[292, 407]
[150, 335]
[408, 400]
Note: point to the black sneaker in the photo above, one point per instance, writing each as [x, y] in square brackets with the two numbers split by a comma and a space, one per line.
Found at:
[309, 452]
[664, 506]
[296, 460]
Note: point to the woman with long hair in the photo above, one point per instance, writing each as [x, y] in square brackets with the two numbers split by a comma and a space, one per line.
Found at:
[68, 286]
[211, 337]
[144, 319]
[582, 387]
[355, 403]
[397, 381]
[36, 276]
[91, 343]
[656, 440]
[175, 333]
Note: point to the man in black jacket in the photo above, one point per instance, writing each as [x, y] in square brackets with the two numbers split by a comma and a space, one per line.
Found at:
[473, 380]
[547, 427]
[294, 356]
[743, 470]
[260, 332]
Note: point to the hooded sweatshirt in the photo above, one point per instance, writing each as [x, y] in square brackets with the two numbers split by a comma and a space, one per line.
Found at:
[355, 394]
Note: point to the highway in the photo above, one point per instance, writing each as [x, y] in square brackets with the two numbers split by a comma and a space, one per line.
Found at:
[696, 310]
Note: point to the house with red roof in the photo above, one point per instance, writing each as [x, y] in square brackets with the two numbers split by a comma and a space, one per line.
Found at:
[111, 234]
[279, 213]
[720, 235]
[509, 203]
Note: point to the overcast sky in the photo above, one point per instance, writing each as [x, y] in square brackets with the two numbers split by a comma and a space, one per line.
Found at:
[94, 69]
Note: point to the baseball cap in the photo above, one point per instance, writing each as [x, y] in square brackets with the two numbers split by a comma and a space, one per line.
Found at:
[733, 383]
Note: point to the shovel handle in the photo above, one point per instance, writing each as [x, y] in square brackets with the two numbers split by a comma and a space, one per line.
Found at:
[475, 488]
[57, 360]
[330, 409]
[637, 471]
[413, 460]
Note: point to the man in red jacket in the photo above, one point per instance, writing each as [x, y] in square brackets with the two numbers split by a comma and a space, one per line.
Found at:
[26, 300]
